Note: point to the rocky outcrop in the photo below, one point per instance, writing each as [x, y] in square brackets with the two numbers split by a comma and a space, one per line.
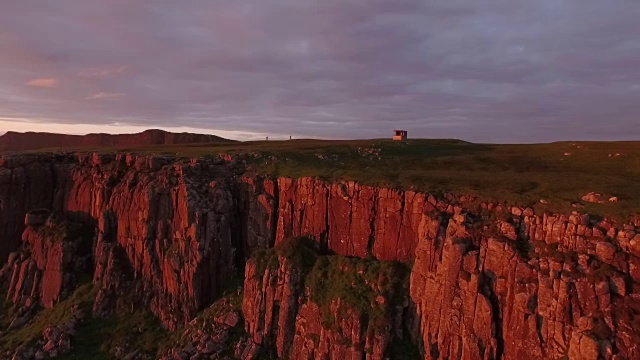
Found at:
[497, 283]
[271, 291]
[56, 340]
[353, 220]
[488, 282]
[455, 315]
[214, 334]
[349, 335]
[169, 222]
[54, 254]
[171, 226]
[26, 182]
[536, 287]
[257, 201]
[301, 306]
[15, 141]
[113, 274]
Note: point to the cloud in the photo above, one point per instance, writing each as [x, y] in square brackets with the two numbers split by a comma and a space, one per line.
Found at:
[43, 82]
[493, 71]
[104, 95]
[101, 72]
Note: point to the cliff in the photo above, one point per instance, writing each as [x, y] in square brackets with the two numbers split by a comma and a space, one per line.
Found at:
[303, 305]
[481, 282]
[53, 255]
[173, 230]
[15, 141]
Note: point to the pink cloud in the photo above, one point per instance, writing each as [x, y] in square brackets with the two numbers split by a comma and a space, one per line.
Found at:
[104, 95]
[43, 82]
[102, 72]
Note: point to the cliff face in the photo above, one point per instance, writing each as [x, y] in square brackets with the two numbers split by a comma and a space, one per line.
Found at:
[497, 283]
[173, 229]
[54, 253]
[488, 283]
[14, 141]
[531, 286]
[172, 224]
[354, 220]
[26, 183]
[304, 306]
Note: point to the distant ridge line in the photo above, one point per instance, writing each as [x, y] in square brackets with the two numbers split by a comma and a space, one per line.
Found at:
[17, 141]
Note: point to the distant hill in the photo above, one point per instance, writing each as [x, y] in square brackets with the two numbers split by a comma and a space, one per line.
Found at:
[15, 141]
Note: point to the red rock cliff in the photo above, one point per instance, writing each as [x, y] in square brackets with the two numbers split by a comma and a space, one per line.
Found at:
[351, 219]
[539, 286]
[172, 221]
[303, 306]
[53, 255]
[26, 182]
[493, 282]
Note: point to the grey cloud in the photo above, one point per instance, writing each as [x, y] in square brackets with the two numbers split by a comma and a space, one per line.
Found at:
[491, 70]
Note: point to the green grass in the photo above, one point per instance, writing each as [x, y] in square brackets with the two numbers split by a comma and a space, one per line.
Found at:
[60, 313]
[301, 252]
[356, 282]
[518, 174]
[7, 311]
[96, 338]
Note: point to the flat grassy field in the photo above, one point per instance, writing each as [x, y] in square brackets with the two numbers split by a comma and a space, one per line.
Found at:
[560, 173]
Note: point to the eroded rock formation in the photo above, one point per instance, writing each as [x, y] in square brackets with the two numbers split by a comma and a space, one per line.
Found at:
[171, 223]
[53, 255]
[56, 340]
[492, 282]
[299, 305]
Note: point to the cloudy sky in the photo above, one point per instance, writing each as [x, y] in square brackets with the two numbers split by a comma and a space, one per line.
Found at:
[479, 70]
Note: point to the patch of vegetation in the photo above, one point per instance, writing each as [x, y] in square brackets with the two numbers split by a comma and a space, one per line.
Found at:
[265, 259]
[369, 287]
[83, 297]
[7, 311]
[96, 338]
[100, 338]
[299, 252]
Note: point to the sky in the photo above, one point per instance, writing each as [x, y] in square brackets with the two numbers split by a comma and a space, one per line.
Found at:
[479, 70]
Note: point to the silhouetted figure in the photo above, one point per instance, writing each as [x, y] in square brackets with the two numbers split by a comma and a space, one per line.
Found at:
[267, 138]
[289, 137]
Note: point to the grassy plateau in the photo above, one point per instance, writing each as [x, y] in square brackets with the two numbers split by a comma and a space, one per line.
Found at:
[557, 173]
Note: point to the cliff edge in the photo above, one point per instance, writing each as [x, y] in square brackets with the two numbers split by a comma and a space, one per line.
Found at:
[317, 269]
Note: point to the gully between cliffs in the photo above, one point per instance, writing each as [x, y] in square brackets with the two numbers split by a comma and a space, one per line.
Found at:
[486, 283]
